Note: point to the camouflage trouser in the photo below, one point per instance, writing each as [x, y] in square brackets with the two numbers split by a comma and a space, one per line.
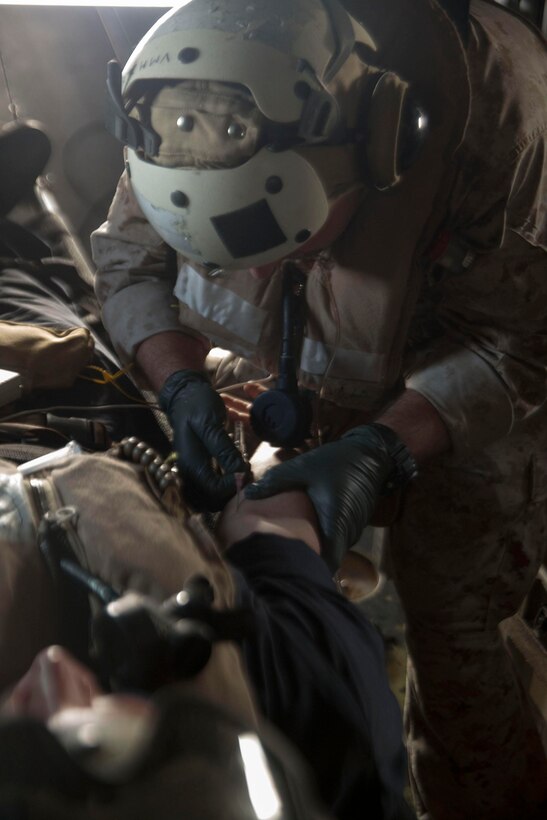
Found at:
[465, 552]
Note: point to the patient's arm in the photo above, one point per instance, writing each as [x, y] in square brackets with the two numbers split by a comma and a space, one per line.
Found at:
[290, 515]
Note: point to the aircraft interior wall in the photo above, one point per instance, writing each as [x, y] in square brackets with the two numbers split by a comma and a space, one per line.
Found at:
[53, 70]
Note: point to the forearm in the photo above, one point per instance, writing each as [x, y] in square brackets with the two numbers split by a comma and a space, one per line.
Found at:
[134, 281]
[164, 353]
[289, 515]
[419, 426]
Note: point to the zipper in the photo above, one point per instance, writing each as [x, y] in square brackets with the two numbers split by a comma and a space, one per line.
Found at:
[57, 534]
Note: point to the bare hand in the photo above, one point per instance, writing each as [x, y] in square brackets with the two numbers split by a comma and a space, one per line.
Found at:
[239, 409]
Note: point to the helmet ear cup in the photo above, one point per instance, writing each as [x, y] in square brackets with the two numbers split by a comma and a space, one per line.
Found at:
[282, 418]
[395, 129]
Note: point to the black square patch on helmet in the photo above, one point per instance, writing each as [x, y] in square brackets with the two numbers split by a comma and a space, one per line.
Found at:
[250, 230]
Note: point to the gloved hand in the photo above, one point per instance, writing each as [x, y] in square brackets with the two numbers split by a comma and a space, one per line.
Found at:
[343, 480]
[197, 415]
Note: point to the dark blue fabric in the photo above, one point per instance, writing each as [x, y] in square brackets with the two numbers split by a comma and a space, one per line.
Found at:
[318, 668]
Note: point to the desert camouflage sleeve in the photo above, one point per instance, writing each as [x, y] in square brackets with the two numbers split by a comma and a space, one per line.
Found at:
[134, 282]
[487, 372]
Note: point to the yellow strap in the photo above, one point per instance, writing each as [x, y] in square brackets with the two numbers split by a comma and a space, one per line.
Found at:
[111, 378]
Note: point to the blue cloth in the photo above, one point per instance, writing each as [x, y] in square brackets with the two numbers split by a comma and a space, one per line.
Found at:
[317, 665]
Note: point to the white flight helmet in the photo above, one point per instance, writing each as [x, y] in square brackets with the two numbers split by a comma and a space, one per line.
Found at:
[285, 52]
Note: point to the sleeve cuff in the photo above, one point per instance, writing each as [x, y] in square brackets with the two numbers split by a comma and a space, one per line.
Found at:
[468, 395]
[135, 313]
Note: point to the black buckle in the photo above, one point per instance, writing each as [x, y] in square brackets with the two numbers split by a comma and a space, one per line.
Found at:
[320, 120]
[124, 128]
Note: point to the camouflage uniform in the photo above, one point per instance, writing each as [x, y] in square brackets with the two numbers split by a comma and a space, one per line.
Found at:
[471, 339]
[465, 552]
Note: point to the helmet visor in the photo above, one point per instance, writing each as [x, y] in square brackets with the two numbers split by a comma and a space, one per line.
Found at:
[233, 218]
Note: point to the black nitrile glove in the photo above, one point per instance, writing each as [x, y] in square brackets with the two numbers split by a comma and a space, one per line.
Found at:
[343, 480]
[197, 415]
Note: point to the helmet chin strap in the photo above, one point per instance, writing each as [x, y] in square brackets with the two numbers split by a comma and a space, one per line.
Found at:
[126, 129]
